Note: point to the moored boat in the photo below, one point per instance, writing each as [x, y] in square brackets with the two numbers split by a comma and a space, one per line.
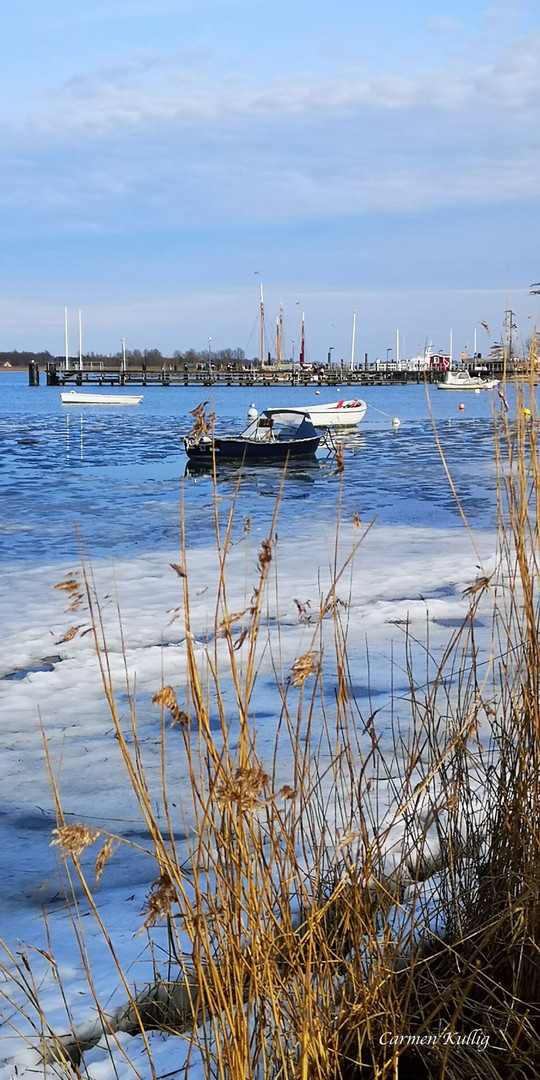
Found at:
[335, 414]
[463, 380]
[267, 439]
[74, 397]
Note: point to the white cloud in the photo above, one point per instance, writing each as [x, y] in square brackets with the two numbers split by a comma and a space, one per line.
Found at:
[503, 14]
[162, 144]
[146, 89]
[513, 80]
[443, 25]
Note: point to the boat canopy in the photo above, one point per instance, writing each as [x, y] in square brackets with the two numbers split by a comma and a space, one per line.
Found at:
[279, 425]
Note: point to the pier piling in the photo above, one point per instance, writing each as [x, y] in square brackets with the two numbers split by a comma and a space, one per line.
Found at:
[33, 373]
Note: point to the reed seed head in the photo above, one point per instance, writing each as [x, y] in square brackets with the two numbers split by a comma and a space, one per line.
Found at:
[103, 857]
[160, 900]
[304, 666]
[69, 585]
[245, 789]
[69, 635]
[339, 460]
[73, 839]
[265, 554]
[166, 697]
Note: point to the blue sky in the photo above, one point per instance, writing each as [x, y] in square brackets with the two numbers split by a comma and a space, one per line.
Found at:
[380, 157]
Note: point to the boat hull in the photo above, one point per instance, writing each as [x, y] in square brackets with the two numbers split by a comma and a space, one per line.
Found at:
[73, 398]
[463, 381]
[338, 414]
[246, 450]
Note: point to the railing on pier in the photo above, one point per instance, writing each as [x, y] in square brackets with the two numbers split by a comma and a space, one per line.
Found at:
[94, 373]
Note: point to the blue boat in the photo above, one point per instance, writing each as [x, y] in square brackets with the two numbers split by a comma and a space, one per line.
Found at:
[269, 438]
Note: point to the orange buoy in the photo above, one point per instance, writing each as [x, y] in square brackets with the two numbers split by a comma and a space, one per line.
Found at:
[461, 406]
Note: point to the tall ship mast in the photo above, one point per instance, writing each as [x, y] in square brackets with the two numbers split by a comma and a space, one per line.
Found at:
[279, 335]
[303, 344]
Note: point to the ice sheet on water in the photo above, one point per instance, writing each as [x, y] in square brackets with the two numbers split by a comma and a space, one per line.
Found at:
[380, 592]
[141, 604]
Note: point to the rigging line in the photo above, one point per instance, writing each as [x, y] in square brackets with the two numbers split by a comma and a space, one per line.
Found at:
[378, 411]
[252, 331]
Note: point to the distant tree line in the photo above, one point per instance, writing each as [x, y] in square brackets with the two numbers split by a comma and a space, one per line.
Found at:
[135, 358]
[22, 359]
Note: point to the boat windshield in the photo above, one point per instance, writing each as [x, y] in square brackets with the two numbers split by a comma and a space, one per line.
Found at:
[279, 426]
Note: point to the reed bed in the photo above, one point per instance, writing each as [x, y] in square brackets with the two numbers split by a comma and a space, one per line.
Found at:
[378, 914]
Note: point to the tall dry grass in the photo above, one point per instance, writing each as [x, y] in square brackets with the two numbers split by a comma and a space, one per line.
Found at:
[378, 915]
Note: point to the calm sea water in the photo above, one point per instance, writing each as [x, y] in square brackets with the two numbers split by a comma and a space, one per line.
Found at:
[118, 475]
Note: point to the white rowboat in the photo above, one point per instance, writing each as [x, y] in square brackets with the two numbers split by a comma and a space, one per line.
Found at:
[336, 414]
[73, 397]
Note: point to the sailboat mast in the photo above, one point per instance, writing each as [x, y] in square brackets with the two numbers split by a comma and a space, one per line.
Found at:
[80, 341]
[66, 346]
[303, 344]
[352, 339]
[262, 323]
[279, 335]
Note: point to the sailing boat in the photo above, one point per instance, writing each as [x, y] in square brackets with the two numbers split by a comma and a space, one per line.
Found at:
[334, 414]
[281, 369]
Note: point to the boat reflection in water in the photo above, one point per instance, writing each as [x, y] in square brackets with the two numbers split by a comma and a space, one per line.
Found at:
[302, 472]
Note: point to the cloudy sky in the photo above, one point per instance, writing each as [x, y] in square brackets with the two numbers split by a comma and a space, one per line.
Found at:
[161, 158]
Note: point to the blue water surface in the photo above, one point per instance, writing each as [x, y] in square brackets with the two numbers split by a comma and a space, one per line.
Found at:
[118, 478]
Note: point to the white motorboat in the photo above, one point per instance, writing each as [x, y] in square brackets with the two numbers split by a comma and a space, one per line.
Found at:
[336, 414]
[73, 397]
[463, 380]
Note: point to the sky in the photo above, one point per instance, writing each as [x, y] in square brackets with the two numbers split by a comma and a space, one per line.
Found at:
[164, 158]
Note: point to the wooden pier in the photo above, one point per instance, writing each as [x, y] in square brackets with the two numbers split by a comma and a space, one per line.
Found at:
[92, 373]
